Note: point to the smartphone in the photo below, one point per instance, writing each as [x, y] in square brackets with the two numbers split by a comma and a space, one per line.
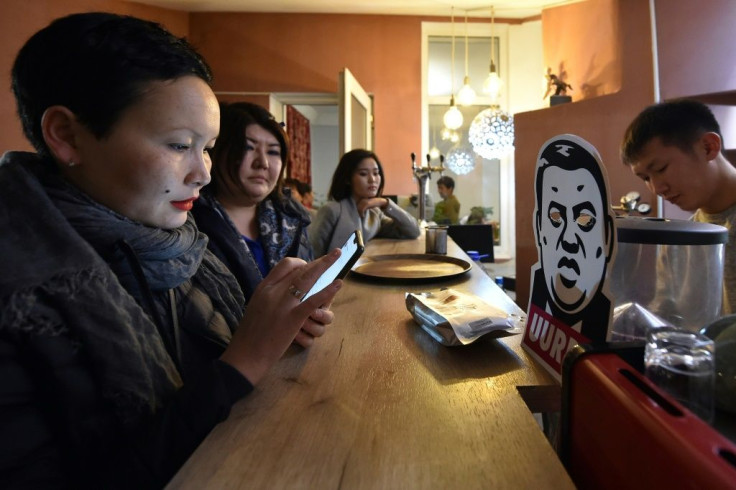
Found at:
[351, 251]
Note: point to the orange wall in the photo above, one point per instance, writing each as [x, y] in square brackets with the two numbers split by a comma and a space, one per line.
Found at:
[600, 120]
[696, 47]
[581, 45]
[20, 19]
[252, 52]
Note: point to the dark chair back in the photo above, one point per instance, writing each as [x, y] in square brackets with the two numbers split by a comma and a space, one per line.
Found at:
[474, 237]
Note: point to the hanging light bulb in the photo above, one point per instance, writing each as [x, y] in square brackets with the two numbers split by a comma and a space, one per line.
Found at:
[492, 83]
[453, 118]
[434, 152]
[460, 160]
[466, 94]
[450, 135]
[492, 131]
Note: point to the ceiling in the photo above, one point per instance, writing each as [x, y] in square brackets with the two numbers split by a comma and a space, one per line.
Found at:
[517, 9]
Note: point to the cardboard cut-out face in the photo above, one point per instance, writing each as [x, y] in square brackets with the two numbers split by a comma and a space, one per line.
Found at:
[576, 241]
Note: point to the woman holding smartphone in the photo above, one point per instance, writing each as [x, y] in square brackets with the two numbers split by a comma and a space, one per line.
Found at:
[356, 203]
[123, 340]
[250, 218]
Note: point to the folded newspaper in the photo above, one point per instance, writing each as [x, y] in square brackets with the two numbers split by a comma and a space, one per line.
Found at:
[452, 317]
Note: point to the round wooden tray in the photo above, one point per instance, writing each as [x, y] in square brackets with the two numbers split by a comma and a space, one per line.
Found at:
[410, 267]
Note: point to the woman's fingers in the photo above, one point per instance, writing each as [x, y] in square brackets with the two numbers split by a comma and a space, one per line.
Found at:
[301, 279]
[314, 326]
[276, 314]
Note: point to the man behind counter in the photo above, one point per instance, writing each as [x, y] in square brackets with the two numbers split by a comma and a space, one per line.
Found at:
[675, 147]
[447, 211]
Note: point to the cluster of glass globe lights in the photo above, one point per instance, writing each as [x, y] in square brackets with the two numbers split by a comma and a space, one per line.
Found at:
[491, 135]
[491, 132]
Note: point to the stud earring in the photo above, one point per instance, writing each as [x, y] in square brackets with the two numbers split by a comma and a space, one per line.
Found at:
[71, 163]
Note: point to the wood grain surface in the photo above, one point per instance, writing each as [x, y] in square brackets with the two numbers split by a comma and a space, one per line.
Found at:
[377, 404]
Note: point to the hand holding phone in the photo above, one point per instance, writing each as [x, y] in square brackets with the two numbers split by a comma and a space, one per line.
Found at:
[350, 252]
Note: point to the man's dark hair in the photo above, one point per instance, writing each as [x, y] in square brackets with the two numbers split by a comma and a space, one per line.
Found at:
[96, 65]
[448, 182]
[677, 123]
[341, 185]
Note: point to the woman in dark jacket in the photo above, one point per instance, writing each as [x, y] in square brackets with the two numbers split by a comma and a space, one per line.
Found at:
[122, 338]
[247, 214]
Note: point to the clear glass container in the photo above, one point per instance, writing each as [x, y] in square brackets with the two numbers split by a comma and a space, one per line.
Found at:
[666, 273]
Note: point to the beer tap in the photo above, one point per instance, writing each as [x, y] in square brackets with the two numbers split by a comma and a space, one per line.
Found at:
[423, 174]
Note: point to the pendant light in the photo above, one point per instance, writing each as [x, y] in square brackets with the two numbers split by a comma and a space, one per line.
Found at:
[461, 160]
[492, 131]
[466, 94]
[450, 135]
[434, 152]
[453, 118]
[492, 83]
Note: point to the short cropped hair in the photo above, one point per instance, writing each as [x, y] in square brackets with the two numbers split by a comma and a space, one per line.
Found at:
[96, 65]
[340, 188]
[229, 150]
[576, 157]
[677, 123]
[447, 181]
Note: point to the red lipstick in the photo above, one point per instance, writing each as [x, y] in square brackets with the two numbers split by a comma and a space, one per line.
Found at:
[185, 205]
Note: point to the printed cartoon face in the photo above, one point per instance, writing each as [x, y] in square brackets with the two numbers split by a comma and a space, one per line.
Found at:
[571, 229]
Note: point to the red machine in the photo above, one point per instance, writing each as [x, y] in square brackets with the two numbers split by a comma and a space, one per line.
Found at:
[618, 430]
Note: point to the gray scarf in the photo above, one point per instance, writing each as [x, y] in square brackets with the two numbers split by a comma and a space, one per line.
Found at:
[56, 283]
[168, 257]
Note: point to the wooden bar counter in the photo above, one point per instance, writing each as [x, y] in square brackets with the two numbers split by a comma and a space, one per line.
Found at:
[377, 403]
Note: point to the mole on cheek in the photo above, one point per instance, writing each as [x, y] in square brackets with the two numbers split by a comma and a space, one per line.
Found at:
[167, 191]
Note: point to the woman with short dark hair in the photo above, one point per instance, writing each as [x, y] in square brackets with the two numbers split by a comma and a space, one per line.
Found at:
[122, 338]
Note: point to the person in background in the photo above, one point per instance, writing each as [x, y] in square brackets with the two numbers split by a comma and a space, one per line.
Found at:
[122, 338]
[447, 211]
[676, 148]
[250, 220]
[356, 203]
[307, 195]
[293, 185]
[301, 192]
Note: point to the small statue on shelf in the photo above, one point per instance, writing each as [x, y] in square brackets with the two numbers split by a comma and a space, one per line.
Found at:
[559, 85]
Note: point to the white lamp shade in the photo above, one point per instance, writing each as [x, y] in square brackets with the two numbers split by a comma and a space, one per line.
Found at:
[492, 133]
[460, 160]
[492, 85]
[453, 118]
[466, 94]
